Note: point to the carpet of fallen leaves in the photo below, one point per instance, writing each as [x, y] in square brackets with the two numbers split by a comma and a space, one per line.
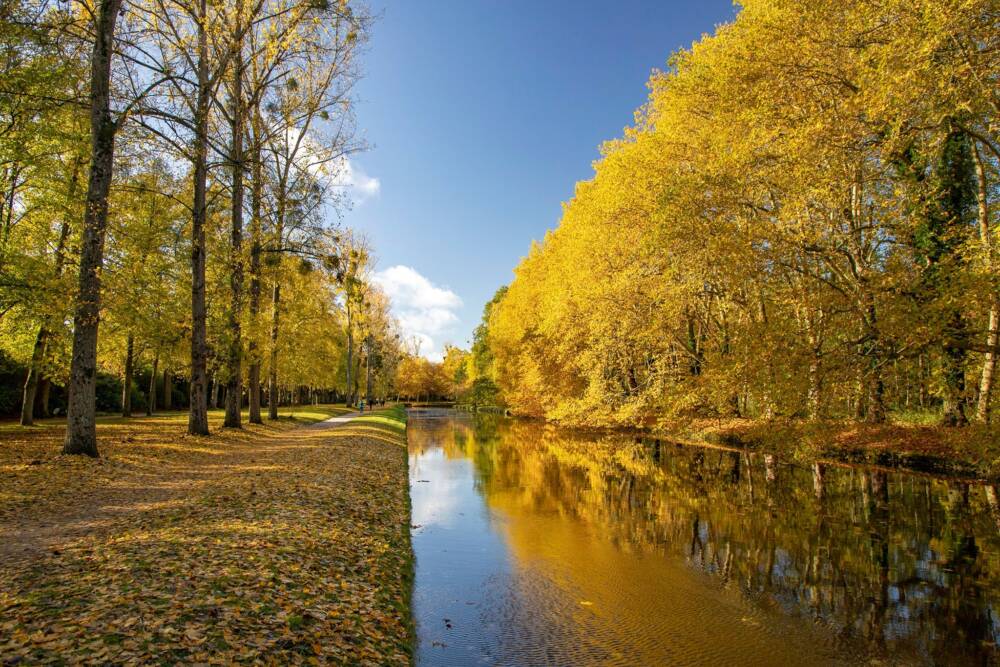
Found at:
[275, 544]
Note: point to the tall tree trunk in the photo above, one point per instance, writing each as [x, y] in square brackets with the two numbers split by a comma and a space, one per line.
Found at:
[151, 399]
[234, 360]
[953, 174]
[693, 348]
[31, 381]
[993, 336]
[41, 340]
[368, 371]
[127, 383]
[954, 377]
[279, 231]
[42, 397]
[922, 396]
[272, 385]
[256, 198]
[874, 385]
[168, 389]
[814, 398]
[357, 378]
[198, 415]
[7, 211]
[81, 427]
[350, 351]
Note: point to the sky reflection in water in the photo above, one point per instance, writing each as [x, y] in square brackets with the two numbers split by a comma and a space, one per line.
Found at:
[538, 545]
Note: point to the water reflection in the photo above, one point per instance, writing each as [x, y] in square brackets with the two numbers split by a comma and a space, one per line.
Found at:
[613, 549]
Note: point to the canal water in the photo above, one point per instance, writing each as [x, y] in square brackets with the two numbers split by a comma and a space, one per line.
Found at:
[541, 546]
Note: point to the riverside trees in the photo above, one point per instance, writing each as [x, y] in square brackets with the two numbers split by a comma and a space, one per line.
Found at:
[801, 222]
[228, 97]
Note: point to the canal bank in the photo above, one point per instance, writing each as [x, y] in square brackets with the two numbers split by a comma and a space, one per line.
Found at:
[971, 452]
[541, 545]
[914, 442]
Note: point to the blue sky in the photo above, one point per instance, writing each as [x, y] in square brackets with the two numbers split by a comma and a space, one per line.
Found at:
[481, 116]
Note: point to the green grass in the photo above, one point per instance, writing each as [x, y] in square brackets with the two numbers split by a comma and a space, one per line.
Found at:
[916, 417]
[310, 414]
[393, 419]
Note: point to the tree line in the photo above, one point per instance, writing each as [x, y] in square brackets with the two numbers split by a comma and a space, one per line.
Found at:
[802, 222]
[171, 174]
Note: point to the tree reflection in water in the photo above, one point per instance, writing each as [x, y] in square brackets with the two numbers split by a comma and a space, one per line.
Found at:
[901, 565]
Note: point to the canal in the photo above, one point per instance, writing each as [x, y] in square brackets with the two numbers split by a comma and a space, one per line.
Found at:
[536, 545]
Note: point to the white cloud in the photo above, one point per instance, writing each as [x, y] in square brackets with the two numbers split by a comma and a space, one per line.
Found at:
[361, 187]
[425, 311]
[340, 172]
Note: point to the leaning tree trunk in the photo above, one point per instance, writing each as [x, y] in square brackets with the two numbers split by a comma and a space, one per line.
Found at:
[127, 384]
[31, 381]
[151, 400]
[198, 415]
[234, 359]
[81, 428]
[992, 336]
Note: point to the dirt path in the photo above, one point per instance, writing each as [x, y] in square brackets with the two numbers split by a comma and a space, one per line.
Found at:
[271, 541]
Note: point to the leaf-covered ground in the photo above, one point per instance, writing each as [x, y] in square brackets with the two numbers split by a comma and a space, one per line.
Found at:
[277, 544]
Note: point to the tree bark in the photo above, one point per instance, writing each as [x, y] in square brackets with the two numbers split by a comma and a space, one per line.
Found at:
[368, 371]
[42, 397]
[279, 231]
[951, 201]
[214, 392]
[151, 399]
[31, 381]
[168, 393]
[993, 336]
[357, 378]
[198, 415]
[127, 382]
[81, 427]
[7, 211]
[350, 351]
[256, 197]
[954, 378]
[33, 378]
[814, 398]
[272, 385]
[234, 360]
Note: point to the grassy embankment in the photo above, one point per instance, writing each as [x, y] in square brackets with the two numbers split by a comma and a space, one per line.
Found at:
[277, 543]
[913, 442]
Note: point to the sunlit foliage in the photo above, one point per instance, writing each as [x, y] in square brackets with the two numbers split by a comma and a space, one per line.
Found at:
[800, 222]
